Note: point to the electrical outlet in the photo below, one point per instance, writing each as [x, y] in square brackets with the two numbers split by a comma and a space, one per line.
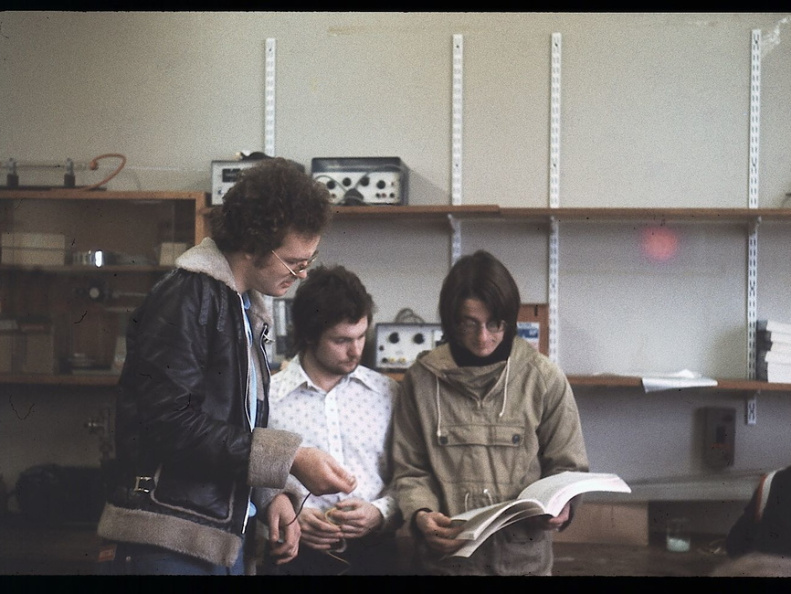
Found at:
[719, 433]
[751, 411]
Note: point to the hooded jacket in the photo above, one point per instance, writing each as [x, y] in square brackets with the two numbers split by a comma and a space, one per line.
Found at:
[187, 453]
[467, 437]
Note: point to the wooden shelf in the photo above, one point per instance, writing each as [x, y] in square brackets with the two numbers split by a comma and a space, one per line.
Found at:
[412, 212]
[199, 199]
[594, 381]
[98, 379]
[69, 269]
[79, 194]
[491, 211]
[620, 381]
[711, 215]
[723, 385]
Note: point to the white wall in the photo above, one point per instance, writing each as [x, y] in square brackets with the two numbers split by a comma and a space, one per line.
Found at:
[655, 113]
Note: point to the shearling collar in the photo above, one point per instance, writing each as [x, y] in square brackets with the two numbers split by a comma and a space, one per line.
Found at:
[206, 258]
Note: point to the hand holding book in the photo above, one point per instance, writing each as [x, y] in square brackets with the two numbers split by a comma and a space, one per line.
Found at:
[547, 496]
[439, 531]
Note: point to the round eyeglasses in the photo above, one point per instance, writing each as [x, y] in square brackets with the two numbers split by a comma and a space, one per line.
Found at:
[474, 326]
[299, 268]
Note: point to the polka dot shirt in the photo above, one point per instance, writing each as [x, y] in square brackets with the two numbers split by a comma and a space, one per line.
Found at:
[352, 422]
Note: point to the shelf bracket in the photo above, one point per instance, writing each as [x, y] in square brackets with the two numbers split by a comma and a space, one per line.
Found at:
[554, 265]
[455, 245]
[755, 116]
[269, 98]
[752, 296]
[752, 199]
[554, 123]
[554, 196]
[457, 118]
[457, 115]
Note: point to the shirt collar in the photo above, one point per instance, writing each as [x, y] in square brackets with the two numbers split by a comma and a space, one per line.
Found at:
[293, 376]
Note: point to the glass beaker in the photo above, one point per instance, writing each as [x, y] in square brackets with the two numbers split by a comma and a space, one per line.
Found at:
[678, 537]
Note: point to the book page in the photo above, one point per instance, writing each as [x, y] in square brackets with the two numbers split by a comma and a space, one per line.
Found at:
[545, 496]
[496, 515]
[469, 547]
[554, 491]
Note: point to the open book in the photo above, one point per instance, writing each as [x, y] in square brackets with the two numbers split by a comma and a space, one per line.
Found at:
[546, 496]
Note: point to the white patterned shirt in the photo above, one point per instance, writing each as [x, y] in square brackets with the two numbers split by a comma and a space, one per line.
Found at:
[352, 422]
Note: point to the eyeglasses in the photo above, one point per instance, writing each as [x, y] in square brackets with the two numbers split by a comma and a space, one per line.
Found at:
[301, 267]
[474, 326]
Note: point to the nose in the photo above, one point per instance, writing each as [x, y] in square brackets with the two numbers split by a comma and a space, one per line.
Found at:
[356, 348]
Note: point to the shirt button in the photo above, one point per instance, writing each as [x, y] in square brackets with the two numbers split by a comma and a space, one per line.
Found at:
[443, 440]
[516, 438]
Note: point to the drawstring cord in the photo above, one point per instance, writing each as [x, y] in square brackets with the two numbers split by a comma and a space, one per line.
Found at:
[505, 388]
[486, 493]
[439, 410]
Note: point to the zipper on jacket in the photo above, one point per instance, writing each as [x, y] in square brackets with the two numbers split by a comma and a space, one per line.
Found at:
[262, 418]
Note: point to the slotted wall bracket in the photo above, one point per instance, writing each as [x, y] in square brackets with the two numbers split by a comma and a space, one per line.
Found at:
[457, 117]
[752, 198]
[269, 98]
[455, 245]
[554, 195]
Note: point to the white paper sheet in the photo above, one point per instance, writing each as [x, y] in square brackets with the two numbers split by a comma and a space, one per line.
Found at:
[655, 382]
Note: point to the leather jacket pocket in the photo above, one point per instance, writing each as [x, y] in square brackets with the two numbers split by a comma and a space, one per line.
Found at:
[204, 498]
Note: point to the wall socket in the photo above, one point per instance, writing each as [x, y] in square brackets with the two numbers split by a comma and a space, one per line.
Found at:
[719, 432]
[751, 411]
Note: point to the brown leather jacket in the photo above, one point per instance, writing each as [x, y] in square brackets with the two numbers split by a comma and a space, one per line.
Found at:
[182, 417]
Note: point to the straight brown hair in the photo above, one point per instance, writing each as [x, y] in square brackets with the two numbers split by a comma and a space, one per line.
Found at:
[479, 276]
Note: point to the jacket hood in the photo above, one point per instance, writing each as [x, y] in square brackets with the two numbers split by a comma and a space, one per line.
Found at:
[475, 381]
[206, 258]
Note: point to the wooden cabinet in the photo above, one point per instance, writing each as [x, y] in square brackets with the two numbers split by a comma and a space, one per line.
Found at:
[74, 265]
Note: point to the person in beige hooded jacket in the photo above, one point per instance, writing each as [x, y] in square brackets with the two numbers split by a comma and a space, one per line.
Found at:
[481, 417]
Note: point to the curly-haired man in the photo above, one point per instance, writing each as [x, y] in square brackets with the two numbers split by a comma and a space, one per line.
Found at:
[195, 459]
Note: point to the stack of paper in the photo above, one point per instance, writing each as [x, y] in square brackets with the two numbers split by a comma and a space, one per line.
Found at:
[773, 351]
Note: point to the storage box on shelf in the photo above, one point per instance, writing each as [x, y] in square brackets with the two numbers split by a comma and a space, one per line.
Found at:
[33, 249]
[75, 264]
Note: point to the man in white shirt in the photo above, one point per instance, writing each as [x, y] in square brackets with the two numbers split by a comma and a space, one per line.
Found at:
[343, 408]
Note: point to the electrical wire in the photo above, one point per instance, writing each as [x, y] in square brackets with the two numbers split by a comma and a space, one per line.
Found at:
[299, 511]
[328, 553]
[94, 165]
[407, 316]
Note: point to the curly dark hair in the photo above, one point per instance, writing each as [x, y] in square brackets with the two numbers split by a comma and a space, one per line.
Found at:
[269, 201]
[479, 276]
[329, 296]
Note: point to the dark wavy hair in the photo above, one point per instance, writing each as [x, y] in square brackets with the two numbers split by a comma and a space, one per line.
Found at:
[328, 296]
[269, 201]
[479, 276]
